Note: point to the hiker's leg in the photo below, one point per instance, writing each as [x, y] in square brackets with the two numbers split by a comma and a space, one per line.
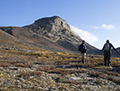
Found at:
[83, 57]
[105, 59]
[109, 61]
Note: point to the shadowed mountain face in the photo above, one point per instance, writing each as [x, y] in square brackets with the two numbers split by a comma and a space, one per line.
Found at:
[52, 33]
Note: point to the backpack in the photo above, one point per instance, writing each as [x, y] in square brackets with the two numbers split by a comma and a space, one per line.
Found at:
[80, 47]
[107, 47]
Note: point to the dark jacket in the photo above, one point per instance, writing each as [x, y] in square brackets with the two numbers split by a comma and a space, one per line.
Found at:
[107, 51]
[84, 48]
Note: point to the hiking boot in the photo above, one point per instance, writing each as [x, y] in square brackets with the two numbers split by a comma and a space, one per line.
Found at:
[83, 61]
[110, 66]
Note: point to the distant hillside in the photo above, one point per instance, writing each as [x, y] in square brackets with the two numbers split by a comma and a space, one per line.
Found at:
[114, 53]
[51, 33]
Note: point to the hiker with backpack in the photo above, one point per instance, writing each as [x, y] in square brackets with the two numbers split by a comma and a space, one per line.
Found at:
[107, 52]
[83, 49]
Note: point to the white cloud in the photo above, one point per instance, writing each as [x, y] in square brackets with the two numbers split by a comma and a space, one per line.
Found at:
[90, 38]
[96, 27]
[104, 26]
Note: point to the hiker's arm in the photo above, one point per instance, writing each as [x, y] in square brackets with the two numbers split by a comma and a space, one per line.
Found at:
[103, 48]
[114, 48]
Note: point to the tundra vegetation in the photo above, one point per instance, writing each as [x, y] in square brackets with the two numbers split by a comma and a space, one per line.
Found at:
[27, 71]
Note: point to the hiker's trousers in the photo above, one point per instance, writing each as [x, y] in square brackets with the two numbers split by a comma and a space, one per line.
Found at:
[83, 57]
[107, 55]
[107, 60]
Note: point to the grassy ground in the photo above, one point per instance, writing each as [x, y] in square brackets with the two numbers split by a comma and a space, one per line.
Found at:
[59, 58]
[59, 63]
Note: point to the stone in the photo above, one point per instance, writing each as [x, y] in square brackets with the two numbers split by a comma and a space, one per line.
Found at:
[76, 78]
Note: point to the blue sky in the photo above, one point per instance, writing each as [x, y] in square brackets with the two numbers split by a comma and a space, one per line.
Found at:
[93, 20]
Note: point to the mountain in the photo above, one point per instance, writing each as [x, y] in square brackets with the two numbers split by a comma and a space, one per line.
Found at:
[50, 33]
[114, 53]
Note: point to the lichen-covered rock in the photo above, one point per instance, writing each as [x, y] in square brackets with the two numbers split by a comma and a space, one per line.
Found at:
[55, 28]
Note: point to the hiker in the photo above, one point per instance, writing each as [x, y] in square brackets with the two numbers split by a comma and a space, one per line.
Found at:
[83, 50]
[107, 52]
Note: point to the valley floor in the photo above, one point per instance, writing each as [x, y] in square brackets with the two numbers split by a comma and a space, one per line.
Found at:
[25, 71]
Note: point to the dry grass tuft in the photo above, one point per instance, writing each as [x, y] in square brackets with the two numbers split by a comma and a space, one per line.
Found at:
[96, 74]
[45, 68]
[60, 70]
[112, 76]
[28, 74]
[86, 65]
[72, 82]
[112, 73]
[66, 71]
[22, 65]
[5, 65]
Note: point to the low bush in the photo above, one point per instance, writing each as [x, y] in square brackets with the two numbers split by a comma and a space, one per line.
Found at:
[112, 76]
[29, 73]
[5, 65]
[66, 71]
[22, 65]
[112, 73]
[96, 74]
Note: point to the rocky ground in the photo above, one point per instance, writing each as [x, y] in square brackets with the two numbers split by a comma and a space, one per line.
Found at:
[10, 79]
[44, 76]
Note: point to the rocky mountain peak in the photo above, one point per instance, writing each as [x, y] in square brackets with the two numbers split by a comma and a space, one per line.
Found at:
[55, 29]
[51, 21]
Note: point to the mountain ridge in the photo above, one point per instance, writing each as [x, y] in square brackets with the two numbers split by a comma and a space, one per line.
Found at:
[50, 33]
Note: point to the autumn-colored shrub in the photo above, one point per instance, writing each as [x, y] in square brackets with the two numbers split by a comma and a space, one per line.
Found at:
[86, 65]
[22, 65]
[112, 73]
[45, 68]
[72, 82]
[66, 71]
[29, 73]
[96, 74]
[5, 65]
[112, 76]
